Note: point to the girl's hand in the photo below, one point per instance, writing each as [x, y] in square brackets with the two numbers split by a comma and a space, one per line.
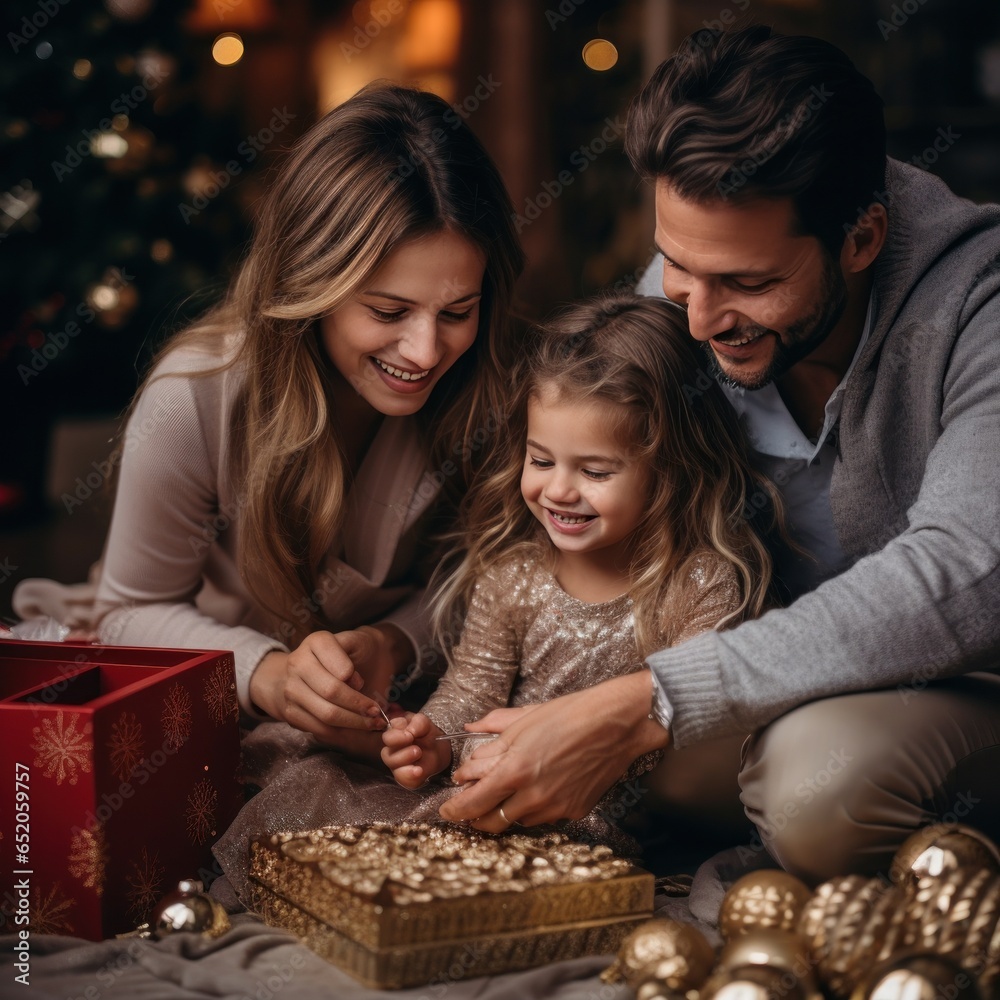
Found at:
[412, 751]
[317, 686]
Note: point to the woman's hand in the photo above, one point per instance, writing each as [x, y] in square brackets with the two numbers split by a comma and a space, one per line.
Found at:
[412, 750]
[554, 761]
[378, 653]
[317, 687]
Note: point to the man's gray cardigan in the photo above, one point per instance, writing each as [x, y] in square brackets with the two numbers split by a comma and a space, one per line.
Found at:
[915, 494]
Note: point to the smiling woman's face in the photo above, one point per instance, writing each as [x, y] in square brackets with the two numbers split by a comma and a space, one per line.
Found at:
[409, 323]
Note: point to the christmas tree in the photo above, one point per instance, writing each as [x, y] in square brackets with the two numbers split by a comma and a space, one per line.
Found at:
[114, 229]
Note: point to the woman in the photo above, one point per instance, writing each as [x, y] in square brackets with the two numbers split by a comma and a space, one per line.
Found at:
[282, 461]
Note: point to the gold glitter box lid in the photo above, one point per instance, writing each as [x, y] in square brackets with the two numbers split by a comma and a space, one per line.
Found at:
[397, 905]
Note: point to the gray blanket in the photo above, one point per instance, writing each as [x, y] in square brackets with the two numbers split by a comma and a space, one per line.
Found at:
[256, 962]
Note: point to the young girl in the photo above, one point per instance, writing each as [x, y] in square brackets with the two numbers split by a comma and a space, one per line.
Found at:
[608, 521]
[613, 524]
[282, 461]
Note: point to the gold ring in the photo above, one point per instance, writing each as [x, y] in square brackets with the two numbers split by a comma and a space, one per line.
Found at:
[503, 816]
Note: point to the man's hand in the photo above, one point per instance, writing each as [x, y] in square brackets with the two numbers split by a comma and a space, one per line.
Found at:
[555, 761]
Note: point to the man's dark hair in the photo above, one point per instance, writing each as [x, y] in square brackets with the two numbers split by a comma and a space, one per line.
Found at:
[750, 113]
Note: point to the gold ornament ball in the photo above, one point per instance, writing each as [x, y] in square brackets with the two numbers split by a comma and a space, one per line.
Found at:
[188, 908]
[757, 982]
[942, 848]
[774, 949]
[917, 976]
[653, 989]
[766, 899]
[675, 954]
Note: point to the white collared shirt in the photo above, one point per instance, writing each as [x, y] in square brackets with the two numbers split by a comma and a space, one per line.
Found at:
[802, 470]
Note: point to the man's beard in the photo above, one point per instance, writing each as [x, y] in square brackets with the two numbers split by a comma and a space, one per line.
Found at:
[801, 338]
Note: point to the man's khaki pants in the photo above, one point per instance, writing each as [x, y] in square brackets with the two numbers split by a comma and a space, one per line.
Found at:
[835, 786]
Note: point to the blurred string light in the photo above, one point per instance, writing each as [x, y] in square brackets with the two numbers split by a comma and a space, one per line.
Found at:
[82, 68]
[599, 54]
[109, 145]
[17, 207]
[113, 298]
[43, 50]
[161, 251]
[227, 49]
[103, 297]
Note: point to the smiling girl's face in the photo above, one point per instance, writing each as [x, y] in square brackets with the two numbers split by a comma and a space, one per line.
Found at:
[409, 323]
[579, 481]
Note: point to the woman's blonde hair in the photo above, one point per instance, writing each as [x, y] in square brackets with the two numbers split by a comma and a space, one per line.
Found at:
[637, 354]
[386, 167]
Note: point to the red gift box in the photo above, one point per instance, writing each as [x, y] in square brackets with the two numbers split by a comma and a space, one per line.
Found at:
[119, 770]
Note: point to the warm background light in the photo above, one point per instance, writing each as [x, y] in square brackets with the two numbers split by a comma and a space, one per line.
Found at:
[245, 15]
[433, 34]
[227, 49]
[417, 41]
[600, 54]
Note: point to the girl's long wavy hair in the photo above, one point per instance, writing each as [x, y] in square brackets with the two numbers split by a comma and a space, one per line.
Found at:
[636, 355]
[386, 167]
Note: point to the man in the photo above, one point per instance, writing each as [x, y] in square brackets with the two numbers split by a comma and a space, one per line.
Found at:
[851, 308]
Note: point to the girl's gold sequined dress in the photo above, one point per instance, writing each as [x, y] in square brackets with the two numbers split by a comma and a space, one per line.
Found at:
[525, 641]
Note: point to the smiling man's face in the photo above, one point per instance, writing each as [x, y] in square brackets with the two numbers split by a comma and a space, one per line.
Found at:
[759, 295]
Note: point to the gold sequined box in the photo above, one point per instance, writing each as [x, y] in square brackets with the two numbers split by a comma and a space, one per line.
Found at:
[411, 904]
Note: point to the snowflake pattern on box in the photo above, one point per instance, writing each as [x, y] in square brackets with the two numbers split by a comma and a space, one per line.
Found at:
[125, 745]
[200, 812]
[88, 858]
[176, 718]
[48, 912]
[220, 693]
[144, 881]
[63, 751]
